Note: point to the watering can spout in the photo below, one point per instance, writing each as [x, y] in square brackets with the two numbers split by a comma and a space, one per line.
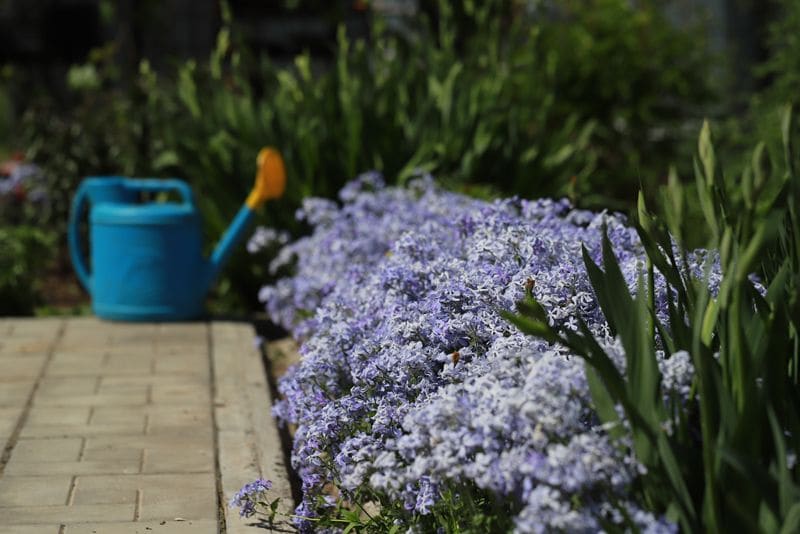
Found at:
[270, 184]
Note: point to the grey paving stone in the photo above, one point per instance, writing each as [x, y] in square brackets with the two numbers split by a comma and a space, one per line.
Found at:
[51, 490]
[249, 443]
[48, 450]
[26, 515]
[31, 529]
[144, 527]
[8, 419]
[14, 394]
[100, 467]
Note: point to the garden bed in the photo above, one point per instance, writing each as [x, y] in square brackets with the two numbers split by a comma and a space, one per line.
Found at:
[524, 365]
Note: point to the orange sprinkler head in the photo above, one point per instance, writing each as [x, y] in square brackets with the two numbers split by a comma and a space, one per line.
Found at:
[270, 178]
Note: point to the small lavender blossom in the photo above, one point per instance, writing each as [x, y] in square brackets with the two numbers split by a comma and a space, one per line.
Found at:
[264, 237]
[677, 373]
[27, 177]
[248, 498]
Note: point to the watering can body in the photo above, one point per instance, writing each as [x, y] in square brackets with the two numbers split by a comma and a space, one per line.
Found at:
[145, 259]
[147, 262]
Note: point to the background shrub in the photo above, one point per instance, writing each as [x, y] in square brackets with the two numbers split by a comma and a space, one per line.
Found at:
[24, 256]
[585, 98]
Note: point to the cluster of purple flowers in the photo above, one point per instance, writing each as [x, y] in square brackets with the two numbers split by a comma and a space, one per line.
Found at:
[250, 496]
[413, 385]
[21, 181]
[266, 238]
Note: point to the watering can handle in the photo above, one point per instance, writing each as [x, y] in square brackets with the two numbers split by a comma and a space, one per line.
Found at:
[155, 185]
[78, 203]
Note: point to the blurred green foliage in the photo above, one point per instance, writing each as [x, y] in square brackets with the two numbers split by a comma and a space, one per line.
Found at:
[96, 131]
[778, 76]
[781, 71]
[24, 255]
[5, 118]
[547, 106]
[586, 98]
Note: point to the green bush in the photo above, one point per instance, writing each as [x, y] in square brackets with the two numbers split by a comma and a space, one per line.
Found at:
[777, 78]
[97, 130]
[490, 97]
[781, 69]
[24, 253]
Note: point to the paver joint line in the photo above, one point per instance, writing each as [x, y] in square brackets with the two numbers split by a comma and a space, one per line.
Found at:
[12, 440]
[72, 487]
[221, 523]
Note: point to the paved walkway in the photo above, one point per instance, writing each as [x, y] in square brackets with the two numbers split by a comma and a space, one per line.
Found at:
[124, 428]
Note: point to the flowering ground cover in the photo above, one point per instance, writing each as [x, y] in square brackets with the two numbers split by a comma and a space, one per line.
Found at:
[416, 403]
[473, 366]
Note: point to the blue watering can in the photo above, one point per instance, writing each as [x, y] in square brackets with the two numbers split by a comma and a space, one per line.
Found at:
[146, 258]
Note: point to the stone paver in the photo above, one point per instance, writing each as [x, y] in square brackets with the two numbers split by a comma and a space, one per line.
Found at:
[43, 490]
[238, 407]
[30, 529]
[112, 427]
[145, 527]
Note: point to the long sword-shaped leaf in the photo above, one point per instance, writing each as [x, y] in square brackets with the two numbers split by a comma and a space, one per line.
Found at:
[675, 477]
[530, 326]
[596, 277]
[788, 494]
[603, 402]
[791, 523]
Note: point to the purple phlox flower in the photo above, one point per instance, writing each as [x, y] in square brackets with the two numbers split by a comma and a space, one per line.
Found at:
[247, 498]
[263, 238]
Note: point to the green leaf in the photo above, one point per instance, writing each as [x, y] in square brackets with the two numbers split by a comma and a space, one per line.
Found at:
[483, 137]
[603, 402]
[760, 169]
[766, 231]
[791, 523]
[530, 154]
[706, 202]
[709, 322]
[756, 476]
[166, 159]
[187, 89]
[673, 205]
[787, 489]
[673, 471]
[706, 150]
[530, 307]
[777, 287]
[643, 375]
[645, 219]
[669, 343]
[596, 277]
[666, 266]
[787, 119]
[617, 303]
[560, 156]
[531, 327]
